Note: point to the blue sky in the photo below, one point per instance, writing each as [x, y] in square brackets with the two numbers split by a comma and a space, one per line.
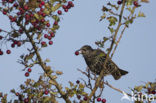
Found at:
[136, 52]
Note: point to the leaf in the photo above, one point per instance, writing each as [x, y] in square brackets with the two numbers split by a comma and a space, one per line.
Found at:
[145, 1]
[54, 77]
[59, 72]
[81, 86]
[138, 88]
[39, 36]
[103, 17]
[54, 8]
[36, 16]
[47, 60]
[111, 30]
[71, 84]
[141, 14]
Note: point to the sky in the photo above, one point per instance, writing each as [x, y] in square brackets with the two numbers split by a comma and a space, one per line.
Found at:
[136, 52]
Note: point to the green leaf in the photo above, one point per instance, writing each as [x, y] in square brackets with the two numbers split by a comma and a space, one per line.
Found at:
[141, 14]
[71, 84]
[138, 88]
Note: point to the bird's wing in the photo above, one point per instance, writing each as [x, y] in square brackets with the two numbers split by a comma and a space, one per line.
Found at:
[99, 57]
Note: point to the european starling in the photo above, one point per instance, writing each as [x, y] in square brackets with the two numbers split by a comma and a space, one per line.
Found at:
[95, 59]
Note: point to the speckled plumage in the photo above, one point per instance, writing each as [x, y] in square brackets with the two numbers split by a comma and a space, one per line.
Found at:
[95, 60]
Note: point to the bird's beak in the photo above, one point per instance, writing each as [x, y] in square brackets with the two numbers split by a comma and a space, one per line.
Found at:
[80, 51]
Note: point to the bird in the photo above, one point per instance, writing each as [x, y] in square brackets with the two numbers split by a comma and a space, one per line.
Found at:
[95, 59]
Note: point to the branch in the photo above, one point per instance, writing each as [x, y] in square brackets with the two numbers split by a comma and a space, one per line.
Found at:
[41, 63]
[112, 44]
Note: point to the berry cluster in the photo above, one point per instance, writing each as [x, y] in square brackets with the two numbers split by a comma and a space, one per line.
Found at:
[30, 17]
[135, 3]
[28, 72]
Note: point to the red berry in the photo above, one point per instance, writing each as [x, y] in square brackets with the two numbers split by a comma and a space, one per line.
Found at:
[68, 6]
[45, 35]
[26, 7]
[55, 23]
[64, 7]
[43, 43]
[15, 5]
[46, 92]
[85, 98]
[0, 30]
[77, 53]
[26, 100]
[153, 92]
[48, 25]
[12, 45]
[29, 69]
[59, 12]
[99, 99]
[1, 37]
[119, 2]
[42, 2]
[50, 42]
[77, 81]
[103, 100]
[70, 3]
[8, 51]
[43, 14]
[66, 10]
[52, 34]
[4, 12]
[27, 74]
[79, 96]
[18, 43]
[1, 52]
[17, 94]
[49, 37]
[136, 3]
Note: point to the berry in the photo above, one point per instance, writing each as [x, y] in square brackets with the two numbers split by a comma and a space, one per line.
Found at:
[49, 37]
[8, 51]
[1, 52]
[26, 100]
[4, 12]
[43, 14]
[26, 7]
[46, 92]
[85, 98]
[99, 99]
[43, 43]
[45, 35]
[42, 2]
[119, 2]
[50, 42]
[1, 37]
[55, 23]
[136, 3]
[64, 6]
[15, 5]
[68, 6]
[18, 43]
[12, 45]
[48, 25]
[17, 94]
[27, 74]
[103, 100]
[77, 53]
[66, 10]
[0, 30]
[70, 3]
[59, 12]
[79, 96]
[29, 69]
[77, 81]
[153, 92]
[52, 34]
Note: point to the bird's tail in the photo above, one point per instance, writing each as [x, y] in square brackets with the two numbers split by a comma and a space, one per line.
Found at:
[118, 73]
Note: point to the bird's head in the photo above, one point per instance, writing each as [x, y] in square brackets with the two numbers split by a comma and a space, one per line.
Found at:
[85, 50]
